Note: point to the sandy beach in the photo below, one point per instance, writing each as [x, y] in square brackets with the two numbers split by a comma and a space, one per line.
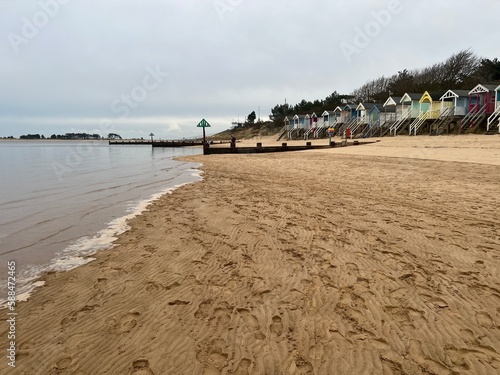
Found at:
[374, 259]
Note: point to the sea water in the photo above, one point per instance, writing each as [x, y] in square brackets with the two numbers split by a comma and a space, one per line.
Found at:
[61, 201]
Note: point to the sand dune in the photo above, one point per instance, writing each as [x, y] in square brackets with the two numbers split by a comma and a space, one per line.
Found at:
[291, 263]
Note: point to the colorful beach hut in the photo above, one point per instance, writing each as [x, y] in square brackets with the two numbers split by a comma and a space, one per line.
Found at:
[410, 109]
[481, 106]
[430, 109]
[454, 106]
[312, 126]
[457, 100]
[362, 118]
[327, 120]
[494, 119]
[299, 123]
[349, 112]
[394, 102]
[288, 124]
[379, 117]
[348, 118]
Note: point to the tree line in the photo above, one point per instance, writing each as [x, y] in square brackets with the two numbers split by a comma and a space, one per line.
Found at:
[71, 136]
[462, 70]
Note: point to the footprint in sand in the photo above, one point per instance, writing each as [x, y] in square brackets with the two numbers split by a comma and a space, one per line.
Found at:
[302, 367]
[101, 283]
[203, 309]
[74, 343]
[212, 357]
[252, 323]
[151, 248]
[141, 367]
[70, 319]
[317, 351]
[243, 367]
[125, 324]
[484, 320]
[276, 326]
[137, 266]
[63, 363]
[153, 286]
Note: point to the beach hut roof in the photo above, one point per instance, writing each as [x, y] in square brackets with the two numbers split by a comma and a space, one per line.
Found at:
[380, 108]
[454, 94]
[392, 100]
[410, 96]
[366, 106]
[327, 113]
[314, 115]
[299, 117]
[482, 88]
[338, 109]
[349, 107]
[433, 96]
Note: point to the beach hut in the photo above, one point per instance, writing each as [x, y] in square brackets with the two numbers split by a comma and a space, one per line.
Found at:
[313, 122]
[362, 117]
[348, 117]
[288, 120]
[454, 105]
[392, 105]
[431, 102]
[339, 120]
[457, 101]
[348, 112]
[410, 109]
[330, 118]
[378, 117]
[313, 125]
[494, 119]
[307, 122]
[288, 124]
[363, 109]
[327, 120]
[481, 106]
[394, 102]
[482, 96]
[299, 123]
[430, 109]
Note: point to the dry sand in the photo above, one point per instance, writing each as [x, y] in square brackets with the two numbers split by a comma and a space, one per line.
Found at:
[357, 260]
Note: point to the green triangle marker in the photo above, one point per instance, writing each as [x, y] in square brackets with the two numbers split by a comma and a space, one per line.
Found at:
[203, 124]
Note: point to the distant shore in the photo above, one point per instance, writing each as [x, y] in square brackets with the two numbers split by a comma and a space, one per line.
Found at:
[377, 259]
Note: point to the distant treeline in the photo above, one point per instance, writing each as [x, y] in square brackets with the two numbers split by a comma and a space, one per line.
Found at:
[463, 70]
[72, 136]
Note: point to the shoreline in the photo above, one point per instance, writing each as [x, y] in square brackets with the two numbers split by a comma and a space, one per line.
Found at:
[271, 264]
[83, 251]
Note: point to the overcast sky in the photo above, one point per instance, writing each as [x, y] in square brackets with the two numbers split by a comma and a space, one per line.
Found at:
[136, 67]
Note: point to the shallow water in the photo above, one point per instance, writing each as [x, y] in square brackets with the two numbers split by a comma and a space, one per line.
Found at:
[60, 201]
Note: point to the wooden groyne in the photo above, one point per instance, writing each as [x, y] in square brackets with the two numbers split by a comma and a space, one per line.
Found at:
[129, 142]
[177, 143]
[183, 143]
[283, 148]
[159, 143]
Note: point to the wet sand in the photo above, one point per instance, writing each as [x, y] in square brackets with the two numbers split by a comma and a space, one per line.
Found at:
[375, 259]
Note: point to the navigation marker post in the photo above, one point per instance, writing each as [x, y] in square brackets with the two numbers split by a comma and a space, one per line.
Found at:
[204, 124]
